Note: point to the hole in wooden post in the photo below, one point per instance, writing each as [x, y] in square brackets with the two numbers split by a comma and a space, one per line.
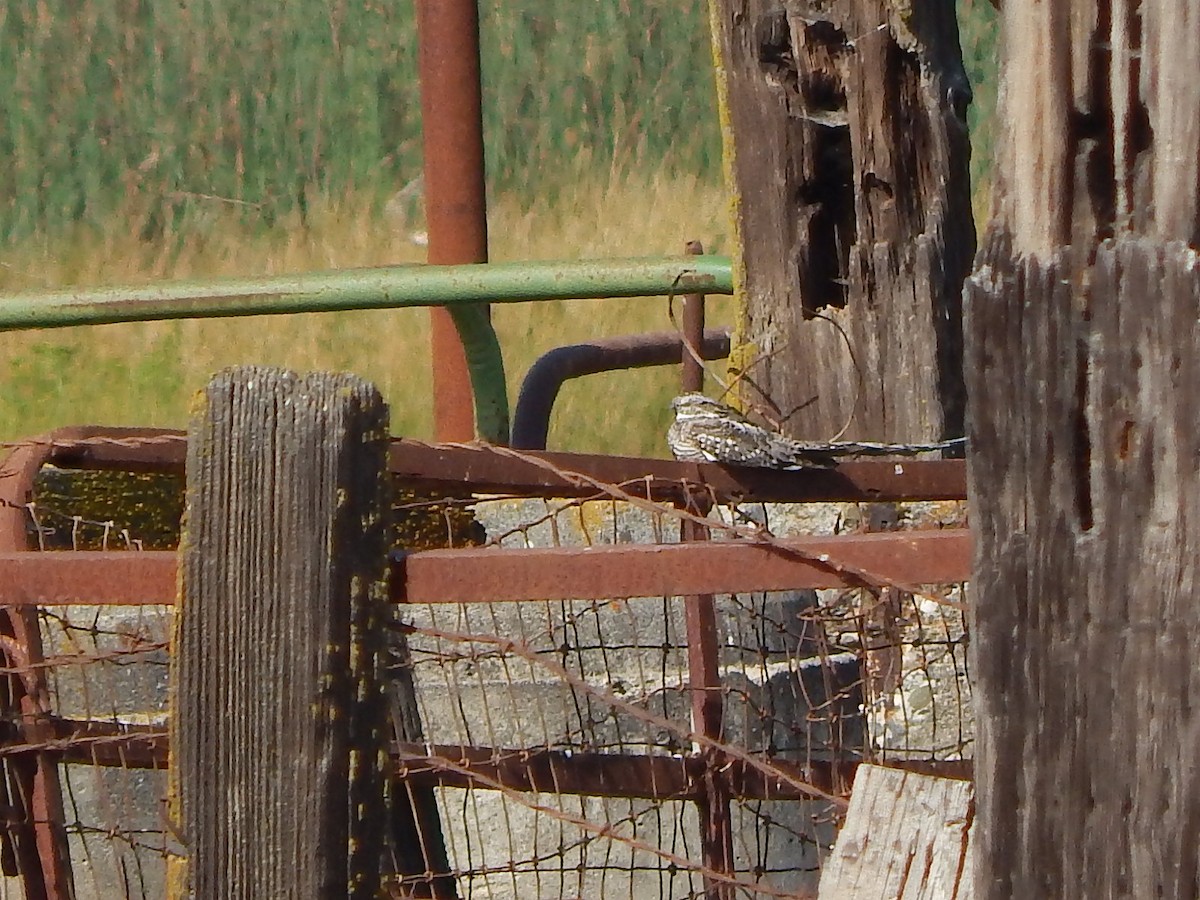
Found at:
[827, 222]
[773, 39]
[1083, 455]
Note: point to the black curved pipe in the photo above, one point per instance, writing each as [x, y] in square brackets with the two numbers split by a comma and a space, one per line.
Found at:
[539, 390]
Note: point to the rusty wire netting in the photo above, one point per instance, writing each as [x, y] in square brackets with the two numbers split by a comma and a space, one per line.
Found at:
[808, 681]
[105, 672]
[806, 678]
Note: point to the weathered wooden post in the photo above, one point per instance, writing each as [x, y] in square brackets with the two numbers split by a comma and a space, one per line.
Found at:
[847, 146]
[1083, 362]
[279, 716]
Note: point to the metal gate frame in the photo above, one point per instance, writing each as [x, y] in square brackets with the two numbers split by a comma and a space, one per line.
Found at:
[34, 845]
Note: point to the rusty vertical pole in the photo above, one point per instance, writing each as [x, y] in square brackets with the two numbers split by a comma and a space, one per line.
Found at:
[33, 840]
[693, 333]
[703, 647]
[708, 703]
[455, 201]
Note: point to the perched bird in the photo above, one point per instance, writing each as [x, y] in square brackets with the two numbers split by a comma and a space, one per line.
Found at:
[707, 431]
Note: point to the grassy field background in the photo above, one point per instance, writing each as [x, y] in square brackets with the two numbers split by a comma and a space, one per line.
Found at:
[219, 138]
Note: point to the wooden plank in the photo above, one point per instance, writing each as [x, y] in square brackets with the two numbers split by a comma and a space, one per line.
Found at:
[847, 139]
[278, 708]
[906, 837]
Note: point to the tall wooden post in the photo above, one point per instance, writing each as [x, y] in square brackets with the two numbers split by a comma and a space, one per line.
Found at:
[846, 146]
[1083, 369]
[279, 717]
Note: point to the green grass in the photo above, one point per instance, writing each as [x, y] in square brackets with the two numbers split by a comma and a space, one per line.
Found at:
[220, 138]
[979, 35]
[169, 112]
[147, 373]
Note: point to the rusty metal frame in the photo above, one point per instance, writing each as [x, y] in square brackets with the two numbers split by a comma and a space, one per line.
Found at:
[34, 844]
[494, 575]
[490, 574]
[707, 777]
[497, 470]
[540, 770]
[691, 376]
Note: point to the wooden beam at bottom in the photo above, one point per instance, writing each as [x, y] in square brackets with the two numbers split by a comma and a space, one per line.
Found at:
[897, 818]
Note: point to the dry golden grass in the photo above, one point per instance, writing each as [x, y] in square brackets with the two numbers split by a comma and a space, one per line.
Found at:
[146, 373]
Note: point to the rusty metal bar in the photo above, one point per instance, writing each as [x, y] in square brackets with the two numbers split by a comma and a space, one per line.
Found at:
[455, 192]
[539, 390]
[453, 399]
[535, 770]
[33, 845]
[88, 577]
[115, 449]
[708, 704]
[693, 333]
[641, 776]
[542, 474]
[109, 744]
[480, 575]
[704, 652]
[492, 470]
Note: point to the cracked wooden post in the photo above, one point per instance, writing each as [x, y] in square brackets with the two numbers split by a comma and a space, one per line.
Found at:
[279, 716]
[1083, 367]
[846, 148]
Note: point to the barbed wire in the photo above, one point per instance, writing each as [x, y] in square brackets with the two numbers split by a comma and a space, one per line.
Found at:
[625, 688]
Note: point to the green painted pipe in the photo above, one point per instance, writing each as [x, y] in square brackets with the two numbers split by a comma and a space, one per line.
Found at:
[383, 288]
[456, 287]
[485, 363]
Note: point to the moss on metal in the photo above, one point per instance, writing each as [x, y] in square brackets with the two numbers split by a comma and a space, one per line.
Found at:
[85, 510]
[94, 510]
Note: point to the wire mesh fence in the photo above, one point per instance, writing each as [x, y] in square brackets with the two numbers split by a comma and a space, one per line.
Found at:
[817, 680]
[102, 675]
[558, 738]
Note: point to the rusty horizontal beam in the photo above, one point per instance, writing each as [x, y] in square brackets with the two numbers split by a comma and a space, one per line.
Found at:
[476, 575]
[636, 776]
[536, 770]
[111, 744]
[544, 770]
[88, 577]
[480, 575]
[495, 470]
[486, 469]
[120, 449]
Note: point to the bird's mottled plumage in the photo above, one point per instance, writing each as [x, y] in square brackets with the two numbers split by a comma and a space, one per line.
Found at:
[707, 431]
